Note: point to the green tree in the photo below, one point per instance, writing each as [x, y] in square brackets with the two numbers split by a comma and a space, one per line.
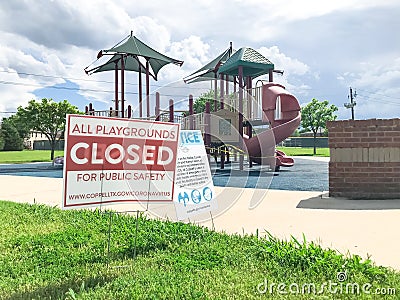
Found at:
[1, 140]
[199, 104]
[314, 116]
[21, 126]
[47, 117]
[12, 141]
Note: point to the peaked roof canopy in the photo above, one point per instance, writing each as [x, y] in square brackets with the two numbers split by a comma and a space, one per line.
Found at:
[210, 70]
[254, 64]
[132, 48]
[131, 45]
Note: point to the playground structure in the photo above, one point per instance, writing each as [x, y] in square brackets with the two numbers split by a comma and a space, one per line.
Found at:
[271, 115]
[250, 121]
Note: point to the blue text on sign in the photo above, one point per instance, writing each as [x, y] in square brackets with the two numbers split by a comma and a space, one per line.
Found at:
[191, 137]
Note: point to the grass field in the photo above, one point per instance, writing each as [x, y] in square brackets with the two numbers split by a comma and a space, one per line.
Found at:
[47, 253]
[295, 151]
[27, 156]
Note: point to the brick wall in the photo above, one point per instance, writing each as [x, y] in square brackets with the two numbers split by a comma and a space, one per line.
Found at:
[365, 159]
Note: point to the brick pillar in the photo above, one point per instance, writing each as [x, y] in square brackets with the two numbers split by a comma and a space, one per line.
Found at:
[364, 159]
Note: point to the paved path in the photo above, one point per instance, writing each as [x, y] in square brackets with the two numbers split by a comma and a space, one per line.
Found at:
[365, 228]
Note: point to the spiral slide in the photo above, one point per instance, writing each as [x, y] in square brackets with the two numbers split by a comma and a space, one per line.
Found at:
[282, 111]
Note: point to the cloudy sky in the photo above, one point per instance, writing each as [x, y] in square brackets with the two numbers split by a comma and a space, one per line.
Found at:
[324, 47]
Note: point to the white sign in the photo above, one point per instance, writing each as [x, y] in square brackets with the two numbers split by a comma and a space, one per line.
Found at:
[194, 188]
[110, 160]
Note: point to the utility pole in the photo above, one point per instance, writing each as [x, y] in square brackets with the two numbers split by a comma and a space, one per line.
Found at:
[352, 102]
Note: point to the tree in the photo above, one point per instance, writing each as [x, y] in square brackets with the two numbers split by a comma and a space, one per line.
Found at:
[47, 117]
[199, 104]
[21, 126]
[12, 141]
[314, 116]
[1, 140]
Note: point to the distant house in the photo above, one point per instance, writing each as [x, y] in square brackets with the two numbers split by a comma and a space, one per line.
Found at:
[38, 140]
[33, 136]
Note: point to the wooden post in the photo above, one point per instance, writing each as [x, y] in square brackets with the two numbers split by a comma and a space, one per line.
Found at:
[129, 111]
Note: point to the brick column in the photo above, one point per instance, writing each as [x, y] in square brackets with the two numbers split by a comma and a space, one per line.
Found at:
[364, 159]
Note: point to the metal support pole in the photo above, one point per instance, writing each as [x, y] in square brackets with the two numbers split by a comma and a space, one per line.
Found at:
[140, 93]
[249, 112]
[215, 92]
[271, 75]
[157, 109]
[91, 109]
[207, 119]
[116, 89]
[148, 87]
[241, 116]
[122, 87]
[191, 120]
[171, 111]
[222, 93]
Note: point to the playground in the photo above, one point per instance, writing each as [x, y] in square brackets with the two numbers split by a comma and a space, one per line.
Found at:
[244, 120]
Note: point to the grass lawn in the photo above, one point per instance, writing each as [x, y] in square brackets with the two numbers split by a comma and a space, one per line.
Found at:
[47, 253]
[296, 151]
[27, 156]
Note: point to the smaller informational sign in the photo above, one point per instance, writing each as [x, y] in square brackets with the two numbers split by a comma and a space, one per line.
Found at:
[194, 189]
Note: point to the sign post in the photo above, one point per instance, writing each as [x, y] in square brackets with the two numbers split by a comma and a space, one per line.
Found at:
[113, 160]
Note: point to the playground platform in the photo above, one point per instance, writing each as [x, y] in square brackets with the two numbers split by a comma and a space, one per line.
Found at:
[368, 229]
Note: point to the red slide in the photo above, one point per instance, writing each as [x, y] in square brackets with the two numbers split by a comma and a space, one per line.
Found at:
[282, 110]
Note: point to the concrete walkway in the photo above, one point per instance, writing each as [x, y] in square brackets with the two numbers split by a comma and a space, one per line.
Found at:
[366, 228]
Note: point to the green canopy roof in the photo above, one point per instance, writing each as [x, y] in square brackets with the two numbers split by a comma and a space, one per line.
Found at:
[254, 64]
[134, 47]
[209, 71]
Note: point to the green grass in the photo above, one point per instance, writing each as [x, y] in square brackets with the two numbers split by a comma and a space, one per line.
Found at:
[297, 151]
[47, 253]
[27, 156]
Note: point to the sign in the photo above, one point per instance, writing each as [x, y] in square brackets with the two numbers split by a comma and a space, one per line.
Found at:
[194, 188]
[110, 160]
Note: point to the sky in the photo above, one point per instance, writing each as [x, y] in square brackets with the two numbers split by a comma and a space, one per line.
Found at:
[324, 47]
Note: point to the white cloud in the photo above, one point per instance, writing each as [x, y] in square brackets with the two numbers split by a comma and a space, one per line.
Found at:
[291, 66]
[60, 38]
